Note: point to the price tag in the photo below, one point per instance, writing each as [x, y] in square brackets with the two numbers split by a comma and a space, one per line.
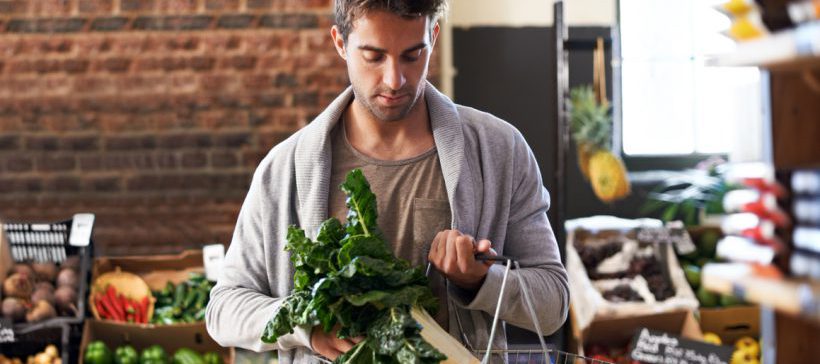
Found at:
[677, 236]
[6, 330]
[650, 346]
[213, 256]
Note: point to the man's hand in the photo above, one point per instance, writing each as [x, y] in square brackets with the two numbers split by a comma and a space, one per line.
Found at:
[330, 346]
[453, 254]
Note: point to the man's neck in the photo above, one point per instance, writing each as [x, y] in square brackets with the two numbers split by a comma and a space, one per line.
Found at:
[389, 140]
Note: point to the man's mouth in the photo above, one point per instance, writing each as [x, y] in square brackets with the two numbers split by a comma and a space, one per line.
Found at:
[392, 100]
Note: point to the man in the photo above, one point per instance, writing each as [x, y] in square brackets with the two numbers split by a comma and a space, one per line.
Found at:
[442, 173]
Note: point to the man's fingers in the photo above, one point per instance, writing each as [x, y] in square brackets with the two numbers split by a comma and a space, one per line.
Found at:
[451, 255]
[464, 253]
[357, 339]
[344, 345]
[483, 246]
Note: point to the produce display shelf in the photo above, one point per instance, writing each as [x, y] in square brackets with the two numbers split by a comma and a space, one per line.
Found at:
[787, 295]
[795, 49]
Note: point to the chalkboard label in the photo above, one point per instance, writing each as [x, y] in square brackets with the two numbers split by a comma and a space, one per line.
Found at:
[675, 235]
[6, 330]
[655, 347]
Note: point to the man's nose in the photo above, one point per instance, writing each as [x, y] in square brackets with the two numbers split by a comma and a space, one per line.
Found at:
[393, 75]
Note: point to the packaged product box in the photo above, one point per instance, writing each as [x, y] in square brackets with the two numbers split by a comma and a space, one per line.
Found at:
[619, 331]
[170, 337]
[731, 323]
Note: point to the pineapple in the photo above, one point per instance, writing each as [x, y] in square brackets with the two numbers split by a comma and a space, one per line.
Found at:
[591, 128]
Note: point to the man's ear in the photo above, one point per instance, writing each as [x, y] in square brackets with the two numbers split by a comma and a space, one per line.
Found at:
[434, 36]
[338, 42]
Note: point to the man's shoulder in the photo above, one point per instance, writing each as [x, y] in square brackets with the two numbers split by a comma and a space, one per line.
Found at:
[485, 125]
[280, 157]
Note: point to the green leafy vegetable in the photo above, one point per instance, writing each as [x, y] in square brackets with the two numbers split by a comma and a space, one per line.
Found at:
[348, 276]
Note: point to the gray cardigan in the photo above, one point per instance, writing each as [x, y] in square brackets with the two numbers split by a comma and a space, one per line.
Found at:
[495, 192]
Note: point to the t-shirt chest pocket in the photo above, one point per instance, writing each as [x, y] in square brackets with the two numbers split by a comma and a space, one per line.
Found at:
[429, 217]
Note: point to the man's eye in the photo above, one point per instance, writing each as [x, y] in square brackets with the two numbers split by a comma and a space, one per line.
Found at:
[408, 58]
[373, 57]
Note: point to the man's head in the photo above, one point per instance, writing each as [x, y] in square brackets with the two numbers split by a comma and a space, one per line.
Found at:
[387, 46]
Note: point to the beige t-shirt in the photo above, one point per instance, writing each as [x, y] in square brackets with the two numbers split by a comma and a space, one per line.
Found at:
[411, 201]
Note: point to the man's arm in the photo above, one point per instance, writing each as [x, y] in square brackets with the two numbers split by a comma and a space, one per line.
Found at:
[241, 302]
[530, 240]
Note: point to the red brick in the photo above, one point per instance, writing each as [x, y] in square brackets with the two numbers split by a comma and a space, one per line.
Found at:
[19, 163]
[137, 5]
[114, 64]
[94, 84]
[177, 6]
[75, 65]
[51, 7]
[170, 64]
[219, 82]
[257, 82]
[104, 184]
[42, 143]
[259, 4]
[232, 140]
[46, 65]
[227, 5]
[10, 123]
[64, 184]
[95, 6]
[201, 63]
[80, 143]
[122, 142]
[49, 163]
[13, 7]
[239, 62]
[56, 45]
[182, 43]
[89, 45]
[196, 159]
[184, 140]
[224, 159]
[147, 64]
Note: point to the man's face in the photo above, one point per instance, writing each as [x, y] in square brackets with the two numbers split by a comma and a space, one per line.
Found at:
[387, 58]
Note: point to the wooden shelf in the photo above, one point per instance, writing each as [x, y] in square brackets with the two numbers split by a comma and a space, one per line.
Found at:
[796, 49]
[798, 298]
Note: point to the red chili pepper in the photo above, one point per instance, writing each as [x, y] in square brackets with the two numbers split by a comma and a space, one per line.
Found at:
[144, 307]
[113, 314]
[112, 297]
[99, 306]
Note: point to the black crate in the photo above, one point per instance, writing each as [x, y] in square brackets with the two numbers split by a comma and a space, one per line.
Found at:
[32, 340]
[49, 242]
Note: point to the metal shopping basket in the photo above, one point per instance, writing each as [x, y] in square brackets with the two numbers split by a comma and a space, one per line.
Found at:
[544, 355]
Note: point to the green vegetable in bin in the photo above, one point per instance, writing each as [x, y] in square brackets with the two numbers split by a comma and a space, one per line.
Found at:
[187, 356]
[154, 354]
[97, 353]
[126, 355]
[212, 358]
[184, 302]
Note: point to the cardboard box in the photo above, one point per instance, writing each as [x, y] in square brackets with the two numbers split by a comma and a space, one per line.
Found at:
[156, 270]
[589, 304]
[170, 337]
[731, 323]
[618, 332]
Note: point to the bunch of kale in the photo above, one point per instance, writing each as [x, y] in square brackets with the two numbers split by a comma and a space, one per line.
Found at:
[349, 277]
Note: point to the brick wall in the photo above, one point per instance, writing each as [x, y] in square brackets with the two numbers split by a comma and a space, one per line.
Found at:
[153, 114]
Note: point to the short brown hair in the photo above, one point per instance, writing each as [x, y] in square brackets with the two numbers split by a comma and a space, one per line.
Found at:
[347, 11]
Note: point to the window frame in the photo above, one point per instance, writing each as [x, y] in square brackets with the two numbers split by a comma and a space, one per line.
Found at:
[640, 163]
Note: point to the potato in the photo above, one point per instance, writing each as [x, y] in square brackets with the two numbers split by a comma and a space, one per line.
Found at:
[68, 277]
[41, 311]
[72, 262]
[18, 285]
[45, 272]
[43, 294]
[14, 308]
[66, 298]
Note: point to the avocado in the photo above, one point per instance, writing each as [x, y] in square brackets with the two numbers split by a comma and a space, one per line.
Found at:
[692, 274]
[729, 300]
[706, 298]
[707, 244]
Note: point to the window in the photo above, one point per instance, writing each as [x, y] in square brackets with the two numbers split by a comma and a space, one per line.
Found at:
[672, 103]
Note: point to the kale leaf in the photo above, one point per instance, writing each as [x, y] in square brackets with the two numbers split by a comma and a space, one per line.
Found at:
[349, 276]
